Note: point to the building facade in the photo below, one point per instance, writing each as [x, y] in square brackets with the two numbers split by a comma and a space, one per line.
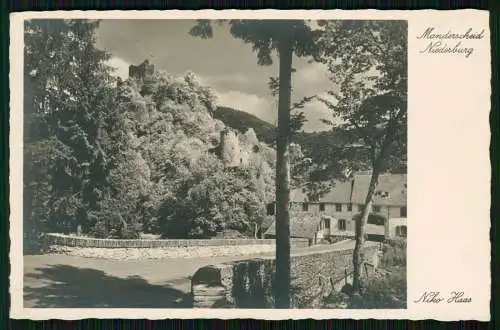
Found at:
[306, 225]
[345, 201]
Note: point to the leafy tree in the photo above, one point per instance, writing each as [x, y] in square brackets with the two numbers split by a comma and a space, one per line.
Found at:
[286, 37]
[297, 117]
[120, 211]
[172, 128]
[116, 157]
[68, 91]
[303, 170]
[301, 167]
[367, 62]
[222, 201]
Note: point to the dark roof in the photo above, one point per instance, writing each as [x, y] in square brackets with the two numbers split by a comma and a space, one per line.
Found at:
[394, 184]
[354, 190]
[303, 226]
[340, 193]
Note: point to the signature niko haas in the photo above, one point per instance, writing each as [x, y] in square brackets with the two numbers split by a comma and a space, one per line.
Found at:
[434, 297]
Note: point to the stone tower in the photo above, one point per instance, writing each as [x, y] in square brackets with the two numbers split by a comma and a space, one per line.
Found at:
[229, 148]
[143, 72]
[237, 150]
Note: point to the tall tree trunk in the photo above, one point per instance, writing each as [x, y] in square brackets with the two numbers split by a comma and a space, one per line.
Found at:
[282, 279]
[358, 254]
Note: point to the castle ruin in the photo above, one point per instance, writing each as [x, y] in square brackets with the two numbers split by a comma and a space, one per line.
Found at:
[143, 72]
[237, 150]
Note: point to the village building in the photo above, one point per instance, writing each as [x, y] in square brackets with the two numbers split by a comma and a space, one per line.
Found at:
[338, 210]
[314, 228]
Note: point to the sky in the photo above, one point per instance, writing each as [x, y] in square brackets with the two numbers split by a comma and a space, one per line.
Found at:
[223, 62]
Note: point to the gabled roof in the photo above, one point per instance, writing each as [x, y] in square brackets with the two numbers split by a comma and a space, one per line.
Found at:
[340, 193]
[303, 226]
[391, 190]
[393, 184]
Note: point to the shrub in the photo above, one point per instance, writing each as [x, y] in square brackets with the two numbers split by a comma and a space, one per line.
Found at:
[129, 233]
[386, 289]
[99, 230]
[394, 253]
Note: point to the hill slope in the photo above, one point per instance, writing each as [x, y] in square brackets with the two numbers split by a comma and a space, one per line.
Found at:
[313, 144]
[322, 147]
[242, 121]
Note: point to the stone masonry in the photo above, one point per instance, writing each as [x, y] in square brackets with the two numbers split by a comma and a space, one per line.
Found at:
[248, 283]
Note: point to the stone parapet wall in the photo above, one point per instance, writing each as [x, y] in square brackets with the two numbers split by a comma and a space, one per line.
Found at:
[162, 253]
[85, 242]
[249, 283]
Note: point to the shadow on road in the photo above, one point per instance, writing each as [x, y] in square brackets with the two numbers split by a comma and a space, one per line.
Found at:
[74, 287]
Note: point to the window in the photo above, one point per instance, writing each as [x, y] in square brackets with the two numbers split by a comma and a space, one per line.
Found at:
[401, 231]
[402, 211]
[342, 224]
[305, 207]
[376, 208]
[270, 209]
[383, 194]
[360, 208]
[322, 207]
[338, 207]
[327, 223]
[349, 207]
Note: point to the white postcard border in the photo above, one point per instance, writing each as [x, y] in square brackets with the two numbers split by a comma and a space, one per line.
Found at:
[448, 171]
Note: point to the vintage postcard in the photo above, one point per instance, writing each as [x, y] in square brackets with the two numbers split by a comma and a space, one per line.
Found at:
[250, 164]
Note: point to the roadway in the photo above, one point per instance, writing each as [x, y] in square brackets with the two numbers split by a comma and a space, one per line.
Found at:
[76, 282]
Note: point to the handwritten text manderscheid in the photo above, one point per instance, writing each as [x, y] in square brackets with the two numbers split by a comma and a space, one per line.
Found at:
[435, 297]
[450, 42]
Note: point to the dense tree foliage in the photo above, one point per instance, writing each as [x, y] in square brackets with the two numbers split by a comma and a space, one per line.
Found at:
[367, 61]
[114, 158]
[68, 93]
[286, 37]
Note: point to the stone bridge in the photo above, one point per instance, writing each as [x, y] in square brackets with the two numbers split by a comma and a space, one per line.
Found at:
[249, 283]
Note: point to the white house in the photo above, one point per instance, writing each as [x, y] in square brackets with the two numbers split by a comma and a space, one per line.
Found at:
[344, 203]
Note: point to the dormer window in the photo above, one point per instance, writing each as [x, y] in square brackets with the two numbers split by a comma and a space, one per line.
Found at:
[383, 194]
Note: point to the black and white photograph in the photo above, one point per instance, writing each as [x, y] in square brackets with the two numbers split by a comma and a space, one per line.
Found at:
[249, 164]
[238, 163]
